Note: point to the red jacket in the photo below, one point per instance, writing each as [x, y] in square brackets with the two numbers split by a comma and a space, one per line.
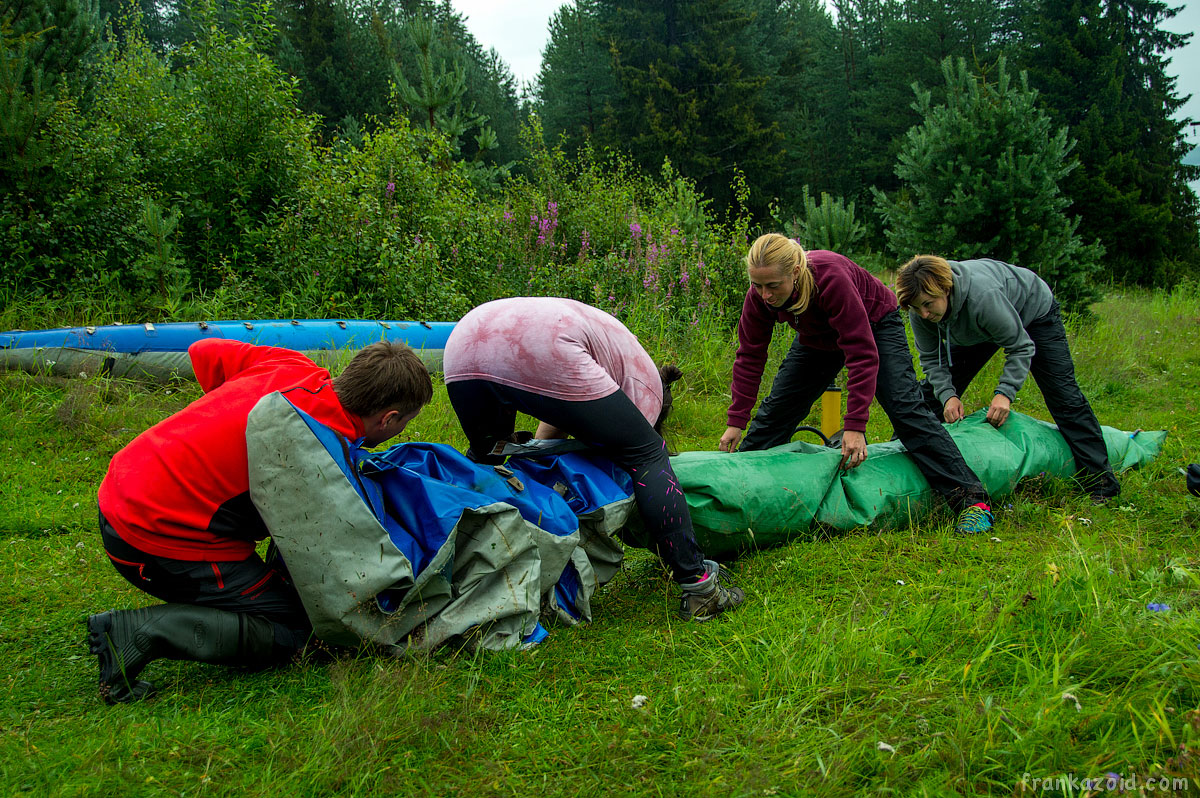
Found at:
[181, 488]
[848, 300]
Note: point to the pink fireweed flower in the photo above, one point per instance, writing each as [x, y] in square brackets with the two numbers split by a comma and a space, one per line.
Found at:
[508, 216]
[636, 229]
[683, 277]
[389, 189]
[552, 207]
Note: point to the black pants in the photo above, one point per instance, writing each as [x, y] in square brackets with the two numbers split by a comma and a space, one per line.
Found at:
[248, 586]
[487, 412]
[1054, 371]
[803, 377]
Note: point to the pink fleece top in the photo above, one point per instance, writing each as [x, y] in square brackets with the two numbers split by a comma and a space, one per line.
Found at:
[553, 347]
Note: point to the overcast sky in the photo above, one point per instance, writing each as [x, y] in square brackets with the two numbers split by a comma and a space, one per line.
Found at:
[518, 31]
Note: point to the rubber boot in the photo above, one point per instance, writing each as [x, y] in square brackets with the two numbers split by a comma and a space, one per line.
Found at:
[125, 641]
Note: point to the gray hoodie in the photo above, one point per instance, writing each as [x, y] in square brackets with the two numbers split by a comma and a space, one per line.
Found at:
[990, 301]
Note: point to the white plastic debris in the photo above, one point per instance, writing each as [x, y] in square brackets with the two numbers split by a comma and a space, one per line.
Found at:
[639, 701]
[882, 746]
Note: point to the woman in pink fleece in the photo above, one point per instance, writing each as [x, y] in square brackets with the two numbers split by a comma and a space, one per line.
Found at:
[843, 316]
[580, 372]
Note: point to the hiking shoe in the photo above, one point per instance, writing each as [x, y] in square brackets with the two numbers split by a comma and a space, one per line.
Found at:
[975, 520]
[711, 596]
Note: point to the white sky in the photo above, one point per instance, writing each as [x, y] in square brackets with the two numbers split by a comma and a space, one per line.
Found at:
[518, 31]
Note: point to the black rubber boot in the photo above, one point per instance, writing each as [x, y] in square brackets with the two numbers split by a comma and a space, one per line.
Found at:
[125, 641]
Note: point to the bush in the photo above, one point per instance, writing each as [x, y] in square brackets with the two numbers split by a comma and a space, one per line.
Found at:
[377, 230]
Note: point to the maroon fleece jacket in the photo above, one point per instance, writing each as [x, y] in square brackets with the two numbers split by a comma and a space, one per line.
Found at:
[847, 301]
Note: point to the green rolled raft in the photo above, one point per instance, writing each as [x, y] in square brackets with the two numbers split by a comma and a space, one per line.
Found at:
[761, 499]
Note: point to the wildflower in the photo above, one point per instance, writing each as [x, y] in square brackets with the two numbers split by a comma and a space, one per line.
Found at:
[552, 207]
[389, 189]
[508, 216]
[636, 229]
[1155, 607]
[683, 277]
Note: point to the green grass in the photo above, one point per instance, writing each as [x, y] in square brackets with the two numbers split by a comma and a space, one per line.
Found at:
[965, 656]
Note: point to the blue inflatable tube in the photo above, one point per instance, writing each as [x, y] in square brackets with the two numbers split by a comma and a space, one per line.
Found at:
[300, 334]
[159, 351]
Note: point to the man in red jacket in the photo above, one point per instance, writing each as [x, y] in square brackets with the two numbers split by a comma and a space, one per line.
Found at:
[177, 520]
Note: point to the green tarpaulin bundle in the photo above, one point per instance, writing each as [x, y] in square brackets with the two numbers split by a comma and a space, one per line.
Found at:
[760, 499]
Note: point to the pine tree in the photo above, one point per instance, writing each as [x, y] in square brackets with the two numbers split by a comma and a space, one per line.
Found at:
[689, 93]
[330, 46]
[980, 178]
[808, 96]
[43, 47]
[888, 46]
[576, 86]
[1100, 69]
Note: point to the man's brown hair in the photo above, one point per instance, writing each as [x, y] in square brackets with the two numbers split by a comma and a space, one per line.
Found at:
[384, 376]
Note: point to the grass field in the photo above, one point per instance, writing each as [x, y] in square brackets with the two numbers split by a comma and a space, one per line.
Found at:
[903, 661]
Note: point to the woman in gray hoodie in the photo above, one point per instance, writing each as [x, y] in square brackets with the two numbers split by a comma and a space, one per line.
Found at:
[962, 312]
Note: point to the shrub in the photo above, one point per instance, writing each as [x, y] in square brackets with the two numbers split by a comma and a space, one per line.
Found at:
[378, 228]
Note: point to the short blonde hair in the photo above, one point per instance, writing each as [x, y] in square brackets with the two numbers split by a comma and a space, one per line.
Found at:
[924, 274]
[783, 255]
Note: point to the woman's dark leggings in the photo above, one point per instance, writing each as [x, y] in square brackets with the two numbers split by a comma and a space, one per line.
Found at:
[487, 412]
[803, 377]
[1054, 371]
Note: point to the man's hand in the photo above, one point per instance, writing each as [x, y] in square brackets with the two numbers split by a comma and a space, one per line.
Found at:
[730, 440]
[953, 411]
[998, 411]
[854, 449]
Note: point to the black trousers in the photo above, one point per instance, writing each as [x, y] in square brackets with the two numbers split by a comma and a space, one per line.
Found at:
[1054, 371]
[487, 412]
[249, 586]
[803, 377]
